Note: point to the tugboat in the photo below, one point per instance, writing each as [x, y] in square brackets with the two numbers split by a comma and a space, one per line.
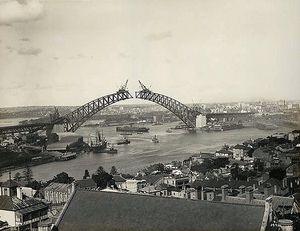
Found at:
[125, 140]
[100, 145]
[111, 150]
[155, 139]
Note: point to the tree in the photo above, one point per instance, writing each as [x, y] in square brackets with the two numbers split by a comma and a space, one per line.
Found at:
[100, 170]
[18, 176]
[277, 173]
[27, 174]
[62, 178]
[113, 170]
[86, 174]
[36, 185]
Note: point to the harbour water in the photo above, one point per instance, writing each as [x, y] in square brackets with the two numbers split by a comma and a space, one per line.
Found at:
[142, 152]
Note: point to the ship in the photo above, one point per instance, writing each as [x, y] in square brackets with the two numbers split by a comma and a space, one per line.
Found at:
[132, 129]
[68, 156]
[99, 145]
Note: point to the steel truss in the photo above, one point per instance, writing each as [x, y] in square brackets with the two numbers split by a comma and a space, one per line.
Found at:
[183, 112]
[76, 118]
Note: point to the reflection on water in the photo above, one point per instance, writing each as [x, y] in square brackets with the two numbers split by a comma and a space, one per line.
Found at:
[141, 152]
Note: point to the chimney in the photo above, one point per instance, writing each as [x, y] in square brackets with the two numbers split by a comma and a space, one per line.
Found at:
[19, 193]
[267, 190]
[224, 192]
[242, 189]
[249, 195]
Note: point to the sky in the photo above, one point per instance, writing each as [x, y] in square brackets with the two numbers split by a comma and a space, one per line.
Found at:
[69, 52]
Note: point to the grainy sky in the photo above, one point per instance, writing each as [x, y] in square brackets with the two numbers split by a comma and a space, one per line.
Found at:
[68, 52]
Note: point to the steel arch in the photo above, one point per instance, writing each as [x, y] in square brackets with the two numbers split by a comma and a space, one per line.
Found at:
[76, 118]
[183, 112]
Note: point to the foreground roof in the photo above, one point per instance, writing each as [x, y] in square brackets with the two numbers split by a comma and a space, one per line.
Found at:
[93, 210]
[22, 206]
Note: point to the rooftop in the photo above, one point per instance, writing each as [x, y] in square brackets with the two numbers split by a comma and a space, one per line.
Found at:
[22, 206]
[89, 210]
[57, 187]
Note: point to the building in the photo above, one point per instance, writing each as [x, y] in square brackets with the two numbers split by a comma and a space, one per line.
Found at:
[89, 210]
[201, 121]
[88, 184]
[58, 193]
[224, 153]
[22, 214]
[239, 152]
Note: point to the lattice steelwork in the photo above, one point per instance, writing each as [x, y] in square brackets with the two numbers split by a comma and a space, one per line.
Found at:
[76, 118]
[23, 128]
[183, 112]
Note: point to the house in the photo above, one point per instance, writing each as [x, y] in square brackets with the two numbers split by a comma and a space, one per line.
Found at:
[274, 186]
[293, 170]
[88, 184]
[264, 154]
[119, 181]
[133, 185]
[239, 152]
[176, 181]
[224, 153]
[150, 189]
[22, 214]
[123, 211]
[58, 193]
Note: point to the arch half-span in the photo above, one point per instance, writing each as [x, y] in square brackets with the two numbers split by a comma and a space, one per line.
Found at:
[183, 112]
[76, 118]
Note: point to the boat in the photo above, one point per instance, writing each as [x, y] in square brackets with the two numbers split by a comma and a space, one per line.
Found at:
[126, 133]
[132, 129]
[169, 130]
[155, 139]
[111, 150]
[68, 156]
[140, 133]
[123, 141]
[99, 145]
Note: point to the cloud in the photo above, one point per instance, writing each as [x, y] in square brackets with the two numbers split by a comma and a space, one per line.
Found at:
[29, 51]
[12, 11]
[159, 36]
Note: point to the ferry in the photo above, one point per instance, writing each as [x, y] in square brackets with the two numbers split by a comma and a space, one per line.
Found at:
[68, 156]
[132, 129]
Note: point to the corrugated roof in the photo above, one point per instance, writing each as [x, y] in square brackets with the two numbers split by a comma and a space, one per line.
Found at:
[92, 210]
[58, 187]
[23, 206]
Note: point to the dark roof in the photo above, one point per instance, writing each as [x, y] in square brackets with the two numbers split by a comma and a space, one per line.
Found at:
[118, 178]
[239, 146]
[22, 206]
[90, 210]
[85, 183]
[152, 179]
[10, 184]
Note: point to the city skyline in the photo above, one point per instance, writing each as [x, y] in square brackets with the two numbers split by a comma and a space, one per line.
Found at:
[67, 53]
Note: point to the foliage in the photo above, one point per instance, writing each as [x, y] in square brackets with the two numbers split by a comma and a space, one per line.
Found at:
[37, 185]
[277, 173]
[154, 167]
[27, 174]
[113, 170]
[62, 178]
[18, 176]
[102, 178]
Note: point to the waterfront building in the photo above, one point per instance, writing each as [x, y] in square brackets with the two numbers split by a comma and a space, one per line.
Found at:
[58, 193]
[224, 153]
[239, 152]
